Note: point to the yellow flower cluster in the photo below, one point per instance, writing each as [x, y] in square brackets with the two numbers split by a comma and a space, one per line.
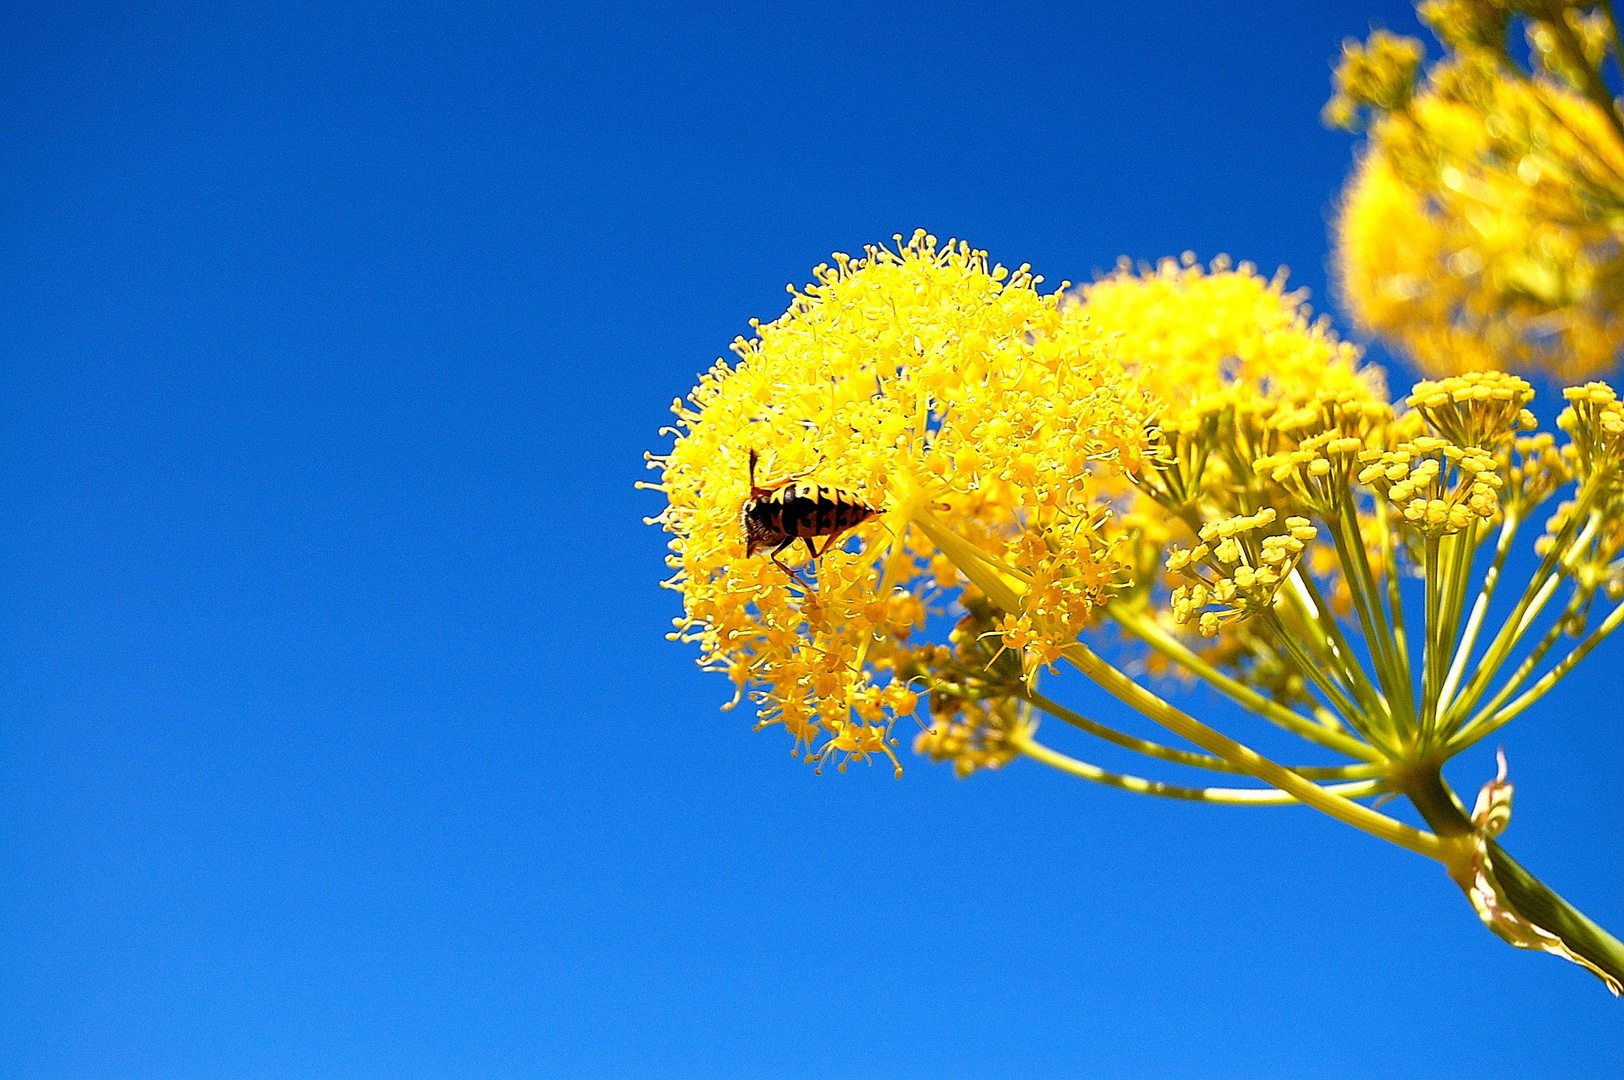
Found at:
[1594, 421]
[1239, 366]
[1246, 568]
[1205, 339]
[1378, 74]
[923, 433]
[920, 381]
[1480, 408]
[1533, 468]
[974, 680]
[1327, 435]
[1482, 229]
[1465, 24]
[974, 737]
[1438, 487]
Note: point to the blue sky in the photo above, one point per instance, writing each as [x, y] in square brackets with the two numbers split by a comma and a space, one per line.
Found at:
[338, 736]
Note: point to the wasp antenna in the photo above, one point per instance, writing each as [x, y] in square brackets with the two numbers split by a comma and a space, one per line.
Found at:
[753, 456]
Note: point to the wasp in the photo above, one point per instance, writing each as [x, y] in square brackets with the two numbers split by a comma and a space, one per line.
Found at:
[783, 512]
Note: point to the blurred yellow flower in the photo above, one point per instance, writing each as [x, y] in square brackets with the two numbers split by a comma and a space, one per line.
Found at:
[1483, 227]
[1376, 74]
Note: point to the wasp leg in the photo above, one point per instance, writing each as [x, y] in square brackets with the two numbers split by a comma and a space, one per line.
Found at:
[773, 485]
[816, 551]
[829, 541]
[779, 550]
[803, 472]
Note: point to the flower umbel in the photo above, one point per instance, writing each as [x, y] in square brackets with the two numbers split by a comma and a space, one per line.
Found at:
[1237, 568]
[916, 378]
[1482, 229]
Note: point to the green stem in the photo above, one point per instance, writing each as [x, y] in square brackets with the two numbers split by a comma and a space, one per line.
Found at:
[1481, 725]
[1480, 608]
[1395, 599]
[1035, 750]
[1328, 686]
[1542, 906]
[1528, 896]
[1144, 628]
[1533, 598]
[1182, 757]
[1304, 595]
[1501, 696]
[1457, 550]
[1430, 676]
[1005, 591]
[1393, 676]
[1182, 724]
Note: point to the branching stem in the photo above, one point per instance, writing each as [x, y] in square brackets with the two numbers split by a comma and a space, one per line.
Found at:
[1480, 608]
[1005, 591]
[1146, 630]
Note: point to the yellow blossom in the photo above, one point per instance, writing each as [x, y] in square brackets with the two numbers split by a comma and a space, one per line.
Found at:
[920, 379]
[1379, 73]
[1202, 339]
[961, 444]
[1437, 486]
[1594, 420]
[1481, 229]
[1238, 567]
[1241, 371]
[1478, 409]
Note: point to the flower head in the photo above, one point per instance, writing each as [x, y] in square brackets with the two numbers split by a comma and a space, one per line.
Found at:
[1464, 24]
[943, 436]
[1438, 487]
[1478, 409]
[1230, 357]
[974, 708]
[1322, 443]
[1594, 420]
[915, 380]
[1480, 229]
[1376, 74]
[1203, 339]
[1237, 568]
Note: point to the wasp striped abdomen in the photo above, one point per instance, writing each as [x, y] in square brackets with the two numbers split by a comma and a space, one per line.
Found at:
[775, 517]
